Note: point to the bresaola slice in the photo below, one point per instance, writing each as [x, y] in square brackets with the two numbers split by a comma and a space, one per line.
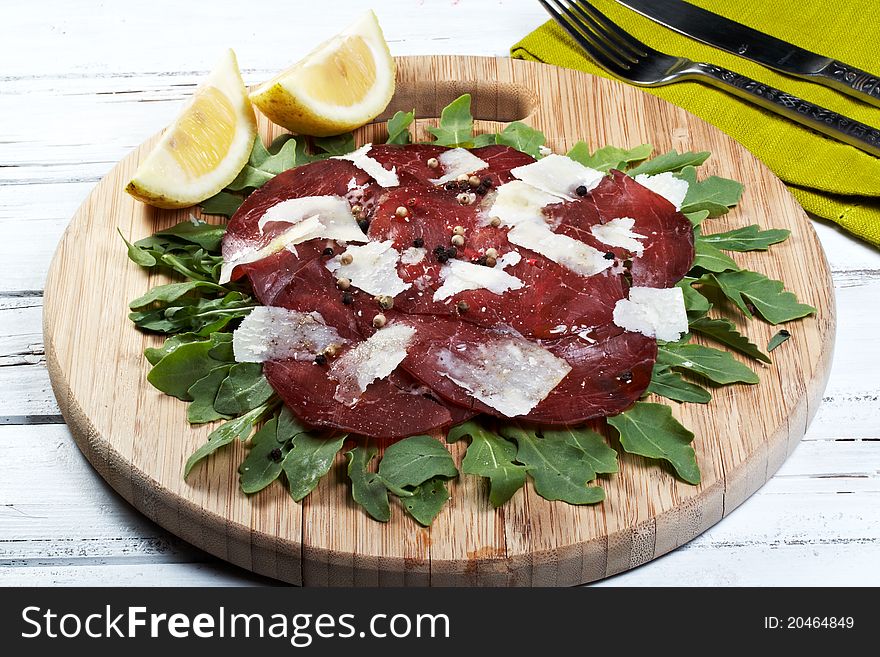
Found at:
[574, 362]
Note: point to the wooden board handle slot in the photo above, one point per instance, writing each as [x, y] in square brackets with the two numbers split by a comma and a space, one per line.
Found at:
[490, 100]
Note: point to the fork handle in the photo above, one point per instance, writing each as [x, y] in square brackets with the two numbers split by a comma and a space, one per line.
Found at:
[849, 80]
[797, 109]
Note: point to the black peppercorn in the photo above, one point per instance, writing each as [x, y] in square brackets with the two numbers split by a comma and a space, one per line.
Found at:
[609, 256]
[347, 298]
[328, 251]
[321, 359]
[581, 190]
[486, 182]
[418, 242]
[625, 377]
[364, 224]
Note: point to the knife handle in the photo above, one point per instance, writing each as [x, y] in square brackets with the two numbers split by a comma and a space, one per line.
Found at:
[850, 80]
[797, 109]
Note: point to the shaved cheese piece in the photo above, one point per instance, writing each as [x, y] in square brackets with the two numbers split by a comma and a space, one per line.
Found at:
[558, 175]
[459, 276]
[373, 268]
[655, 312]
[572, 254]
[670, 187]
[374, 358]
[334, 213]
[508, 373]
[618, 232]
[370, 166]
[413, 255]
[303, 231]
[516, 202]
[458, 161]
[272, 333]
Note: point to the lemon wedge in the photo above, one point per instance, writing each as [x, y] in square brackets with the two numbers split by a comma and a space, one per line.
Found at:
[344, 83]
[206, 146]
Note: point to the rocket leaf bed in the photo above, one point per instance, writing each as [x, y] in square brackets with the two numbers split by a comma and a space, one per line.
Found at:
[453, 285]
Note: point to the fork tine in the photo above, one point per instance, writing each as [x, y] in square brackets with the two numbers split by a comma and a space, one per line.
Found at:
[584, 38]
[611, 28]
[617, 38]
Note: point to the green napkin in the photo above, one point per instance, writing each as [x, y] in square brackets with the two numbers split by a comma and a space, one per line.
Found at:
[830, 179]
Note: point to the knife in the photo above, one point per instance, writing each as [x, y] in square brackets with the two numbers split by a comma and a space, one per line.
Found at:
[767, 50]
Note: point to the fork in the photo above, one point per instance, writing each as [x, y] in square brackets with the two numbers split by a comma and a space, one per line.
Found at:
[624, 56]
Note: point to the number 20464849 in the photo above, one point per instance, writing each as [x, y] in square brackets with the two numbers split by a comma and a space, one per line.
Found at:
[809, 622]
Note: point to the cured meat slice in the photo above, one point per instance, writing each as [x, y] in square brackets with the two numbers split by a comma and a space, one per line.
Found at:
[326, 178]
[395, 407]
[606, 376]
[669, 247]
[534, 312]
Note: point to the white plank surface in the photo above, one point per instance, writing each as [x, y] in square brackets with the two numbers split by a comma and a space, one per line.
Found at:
[80, 87]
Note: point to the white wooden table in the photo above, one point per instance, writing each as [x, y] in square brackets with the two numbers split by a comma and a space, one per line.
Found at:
[82, 83]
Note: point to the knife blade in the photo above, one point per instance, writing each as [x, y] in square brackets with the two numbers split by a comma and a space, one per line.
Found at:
[749, 43]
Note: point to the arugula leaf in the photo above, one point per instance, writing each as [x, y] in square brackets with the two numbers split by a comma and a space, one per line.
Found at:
[367, 488]
[208, 236]
[222, 203]
[522, 137]
[767, 295]
[137, 254]
[243, 390]
[181, 368]
[427, 500]
[337, 144]
[725, 332]
[398, 127]
[194, 314]
[596, 451]
[713, 194]
[310, 458]
[456, 124]
[203, 393]
[171, 292]
[778, 339]
[288, 426]
[711, 259]
[748, 238]
[414, 460]
[696, 218]
[486, 139]
[713, 364]
[695, 303]
[262, 465]
[155, 354]
[239, 427]
[650, 430]
[265, 163]
[222, 349]
[179, 249]
[489, 455]
[557, 467]
[671, 161]
[670, 384]
[609, 157]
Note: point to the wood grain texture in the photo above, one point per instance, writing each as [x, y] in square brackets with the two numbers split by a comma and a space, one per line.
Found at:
[138, 439]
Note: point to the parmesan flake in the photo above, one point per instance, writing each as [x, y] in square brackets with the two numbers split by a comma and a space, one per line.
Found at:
[361, 159]
[374, 358]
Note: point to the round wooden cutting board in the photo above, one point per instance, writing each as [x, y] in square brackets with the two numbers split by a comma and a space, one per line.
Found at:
[138, 439]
